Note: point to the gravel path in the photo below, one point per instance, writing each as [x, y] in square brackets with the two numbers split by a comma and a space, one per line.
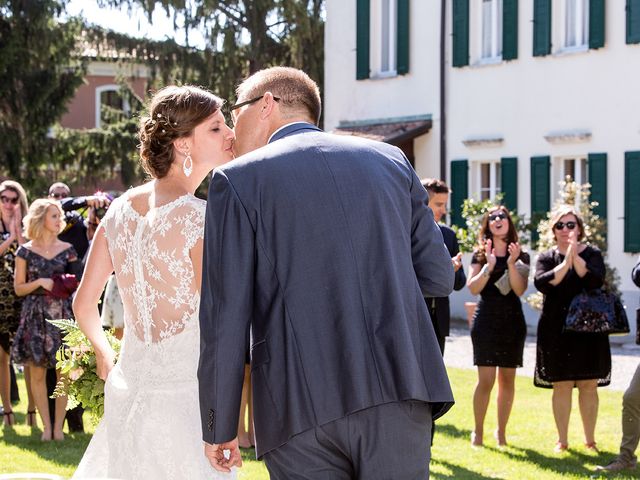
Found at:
[459, 353]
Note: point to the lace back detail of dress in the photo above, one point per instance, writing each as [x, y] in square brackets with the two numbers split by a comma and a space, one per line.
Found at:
[150, 255]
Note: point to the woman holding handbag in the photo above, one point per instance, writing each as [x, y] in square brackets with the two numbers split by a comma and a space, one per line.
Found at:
[499, 274]
[41, 279]
[565, 360]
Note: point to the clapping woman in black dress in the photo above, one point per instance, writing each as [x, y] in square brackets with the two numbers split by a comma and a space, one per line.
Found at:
[499, 273]
[563, 359]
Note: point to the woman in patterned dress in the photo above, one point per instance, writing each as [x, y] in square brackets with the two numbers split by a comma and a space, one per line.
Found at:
[36, 341]
[13, 204]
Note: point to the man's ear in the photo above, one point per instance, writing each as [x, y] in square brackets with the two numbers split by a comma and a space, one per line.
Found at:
[268, 105]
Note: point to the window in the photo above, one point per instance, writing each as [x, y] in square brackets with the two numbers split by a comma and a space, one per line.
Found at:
[576, 24]
[488, 179]
[491, 29]
[384, 36]
[109, 95]
[574, 167]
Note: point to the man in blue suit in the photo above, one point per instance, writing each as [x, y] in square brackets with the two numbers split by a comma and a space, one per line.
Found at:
[439, 307]
[323, 247]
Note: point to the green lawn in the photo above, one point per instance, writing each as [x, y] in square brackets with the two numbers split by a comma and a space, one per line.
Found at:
[530, 455]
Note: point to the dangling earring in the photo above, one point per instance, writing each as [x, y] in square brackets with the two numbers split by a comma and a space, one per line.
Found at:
[187, 169]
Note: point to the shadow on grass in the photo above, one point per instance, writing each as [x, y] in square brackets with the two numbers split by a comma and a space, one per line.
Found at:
[66, 453]
[572, 462]
[451, 431]
[458, 472]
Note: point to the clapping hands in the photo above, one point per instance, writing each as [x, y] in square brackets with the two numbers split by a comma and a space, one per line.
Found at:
[490, 253]
[514, 253]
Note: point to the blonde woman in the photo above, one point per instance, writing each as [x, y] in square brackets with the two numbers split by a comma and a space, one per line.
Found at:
[565, 360]
[38, 263]
[13, 204]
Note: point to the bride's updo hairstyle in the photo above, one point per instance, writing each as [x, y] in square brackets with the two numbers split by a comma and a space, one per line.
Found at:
[173, 113]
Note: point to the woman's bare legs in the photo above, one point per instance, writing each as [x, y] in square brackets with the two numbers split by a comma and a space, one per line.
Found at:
[561, 402]
[39, 391]
[506, 393]
[588, 401]
[5, 387]
[244, 438]
[481, 397]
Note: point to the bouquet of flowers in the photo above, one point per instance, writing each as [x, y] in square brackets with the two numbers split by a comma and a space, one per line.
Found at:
[76, 361]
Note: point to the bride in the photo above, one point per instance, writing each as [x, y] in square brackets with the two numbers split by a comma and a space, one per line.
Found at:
[152, 237]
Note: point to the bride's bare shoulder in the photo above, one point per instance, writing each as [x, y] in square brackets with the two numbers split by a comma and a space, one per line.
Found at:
[139, 196]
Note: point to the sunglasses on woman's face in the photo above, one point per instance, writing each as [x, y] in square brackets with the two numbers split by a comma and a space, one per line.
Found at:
[12, 200]
[497, 216]
[561, 225]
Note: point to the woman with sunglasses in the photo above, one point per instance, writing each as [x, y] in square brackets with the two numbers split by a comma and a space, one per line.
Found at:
[13, 203]
[499, 273]
[565, 360]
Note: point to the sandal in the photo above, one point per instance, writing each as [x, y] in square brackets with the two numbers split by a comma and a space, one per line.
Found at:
[592, 447]
[9, 419]
[561, 447]
[31, 418]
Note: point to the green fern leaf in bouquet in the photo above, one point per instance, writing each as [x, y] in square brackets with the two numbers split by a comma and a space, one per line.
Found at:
[76, 361]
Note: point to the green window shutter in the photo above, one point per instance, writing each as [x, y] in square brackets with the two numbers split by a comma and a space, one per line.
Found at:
[631, 202]
[460, 33]
[597, 164]
[509, 29]
[540, 191]
[403, 38]
[596, 23]
[363, 24]
[509, 182]
[459, 190]
[540, 184]
[633, 21]
[541, 28]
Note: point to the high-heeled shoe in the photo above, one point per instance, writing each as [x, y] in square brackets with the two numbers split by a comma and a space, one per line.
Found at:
[9, 419]
[475, 440]
[31, 419]
[501, 442]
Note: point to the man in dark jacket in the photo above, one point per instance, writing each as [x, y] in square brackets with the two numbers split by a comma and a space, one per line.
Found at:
[439, 306]
[322, 245]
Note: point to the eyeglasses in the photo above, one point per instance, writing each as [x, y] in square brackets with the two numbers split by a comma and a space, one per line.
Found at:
[561, 225]
[249, 102]
[59, 196]
[497, 216]
[12, 200]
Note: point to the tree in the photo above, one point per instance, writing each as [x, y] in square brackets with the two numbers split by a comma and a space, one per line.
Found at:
[279, 32]
[39, 74]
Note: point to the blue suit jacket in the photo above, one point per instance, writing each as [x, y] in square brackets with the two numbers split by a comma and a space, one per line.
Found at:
[323, 246]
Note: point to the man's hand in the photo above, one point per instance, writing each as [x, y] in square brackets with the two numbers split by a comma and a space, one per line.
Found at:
[457, 262]
[97, 201]
[215, 455]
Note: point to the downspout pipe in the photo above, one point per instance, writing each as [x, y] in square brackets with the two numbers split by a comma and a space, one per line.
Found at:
[443, 106]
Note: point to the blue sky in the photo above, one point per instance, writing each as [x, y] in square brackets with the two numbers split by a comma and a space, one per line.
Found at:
[134, 23]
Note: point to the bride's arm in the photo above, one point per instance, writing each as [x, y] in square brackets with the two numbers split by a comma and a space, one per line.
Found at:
[85, 304]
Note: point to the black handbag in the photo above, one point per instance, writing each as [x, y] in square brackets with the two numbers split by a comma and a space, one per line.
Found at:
[638, 326]
[597, 311]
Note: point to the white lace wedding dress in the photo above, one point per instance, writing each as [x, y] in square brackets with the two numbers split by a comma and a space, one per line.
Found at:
[151, 426]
